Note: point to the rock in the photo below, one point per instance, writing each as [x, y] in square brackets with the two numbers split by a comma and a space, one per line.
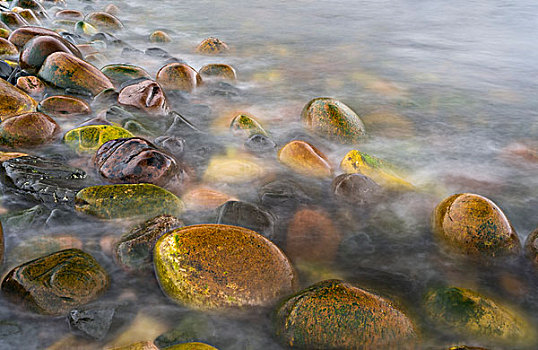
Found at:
[142, 345]
[21, 36]
[312, 236]
[356, 189]
[124, 201]
[134, 251]
[246, 125]
[30, 17]
[64, 106]
[172, 144]
[467, 313]
[247, 215]
[13, 19]
[378, 170]
[465, 347]
[92, 323]
[212, 46]
[283, 196]
[305, 159]
[4, 32]
[145, 95]
[84, 28]
[218, 71]
[14, 101]
[90, 137]
[260, 144]
[112, 9]
[531, 247]
[31, 85]
[10, 155]
[159, 36]
[69, 14]
[104, 21]
[178, 76]
[43, 179]
[191, 346]
[38, 246]
[120, 73]
[336, 315]
[216, 267]
[1, 245]
[33, 5]
[66, 71]
[56, 283]
[143, 327]
[7, 49]
[332, 119]
[28, 130]
[232, 169]
[475, 226]
[202, 198]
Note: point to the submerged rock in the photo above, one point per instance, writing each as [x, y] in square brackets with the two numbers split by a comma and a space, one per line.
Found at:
[92, 323]
[90, 137]
[212, 46]
[28, 130]
[305, 159]
[159, 36]
[246, 125]
[531, 247]
[121, 73]
[69, 14]
[14, 101]
[104, 21]
[64, 106]
[356, 189]
[178, 77]
[231, 169]
[146, 95]
[33, 86]
[246, 215]
[56, 283]
[218, 71]
[336, 315]
[205, 199]
[217, 267]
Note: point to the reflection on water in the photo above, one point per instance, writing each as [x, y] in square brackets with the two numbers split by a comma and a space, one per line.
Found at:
[447, 91]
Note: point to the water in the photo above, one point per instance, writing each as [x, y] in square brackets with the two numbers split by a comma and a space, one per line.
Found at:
[444, 89]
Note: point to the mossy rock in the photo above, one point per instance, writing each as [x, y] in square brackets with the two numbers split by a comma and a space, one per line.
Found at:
[123, 201]
[56, 283]
[178, 77]
[336, 315]
[120, 73]
[332, 119]
[90, 137]
[212, 46]
[246, 125]
[85, 28]
[7, 49]
[67, 71]
[64, 106]
[305, 159]
[159, 36]
[475, 226]
[28, 130]
[14, 101]
[378, 170]
[218, 71]
[467, 313]
[217, 267]
[191, 346]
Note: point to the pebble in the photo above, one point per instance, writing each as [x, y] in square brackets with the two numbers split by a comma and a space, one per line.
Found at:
[178, 76]
[32, 85]
[159, 36]
[64, 106]
[146, 96]
[218, 71]
[305, 159]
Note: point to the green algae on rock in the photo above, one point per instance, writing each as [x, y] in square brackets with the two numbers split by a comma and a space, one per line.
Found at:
[28, 130]
[247, 125]
[333, 314]
[468, 313]
[332, 119]
[475, 226]
[159, 36]
[90, 137]
[14, 101]
[212, 46]
[217, 267]
[127, 200]
[120, 73]
[56, 283]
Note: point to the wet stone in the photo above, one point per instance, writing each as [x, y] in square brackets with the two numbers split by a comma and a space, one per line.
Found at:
[69, 14]
[171, 144]
[282, 197]
[64, 106]
[30, 17]
[157, 52]
[142, 345]
[7, 49]
[92, 323]
[5, 70]
[218, 71]
[259, 143]
[134, 251]
[4, 33]
[56, 283]
[104, 21]
[531, 247]
[112, 9]
[178, 76]
[90, 137]
[33, 86]
[14, 101]
[147, 96]
[13, 19]
[21, 36]
[224, 89]
[159, 36]
[32, 5]
[191, 346]
[202, 198]
[246, 125]
[105, 98]
[38, 246]
[1, 244]
[356, 189]
[305, 159]
[212, 46]
[247, 215]
[120, 73]
[28, 130]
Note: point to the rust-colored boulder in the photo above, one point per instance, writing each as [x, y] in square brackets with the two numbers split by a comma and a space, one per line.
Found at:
[178, 76]
[305, 159]
[36, 51]
[147, 96]
[14, 101]
[212, 46]
[32, 85]
[64, 106]
[28, 130]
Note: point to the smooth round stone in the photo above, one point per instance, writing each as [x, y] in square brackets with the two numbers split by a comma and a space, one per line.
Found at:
[64, 106]
[467, 313]
[260, 144]
[246, 215]
[218, 71]
[7, 49]
[120, 73]
[33, 86]
[56, 283]
[36, 51]
[336, 315]
[231, 169]
[216, 267]
[4, 33]
[356, 189]
[475, 226]
[246, 125]
[378, 170]
[142, 345]
[28, 130]
[332, 119]
[33, 5]
[146, 96]
[178, 77]
[104, 21]
[85, 28]
[305, 159]
[30, 17]
[13, 19]
[531, 247]
[159, 36]
[69, 14]
[202, 198]
[134, 251]
[190, 346]
[212, 46]
[90, 137]
[312, 236]
[124, 201]
[14, 101]
[21, 36]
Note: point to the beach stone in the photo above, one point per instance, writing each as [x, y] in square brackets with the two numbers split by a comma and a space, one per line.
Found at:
[202, 198]
[4, 32]
[84, 28]
[312, 236]
[467, 313]
[247, 215]
[378, 170]
[14, 101]
[7, 49]
[1, 244]
[531, 247]
[104, 21]
[159, 36]
[336, 315]
[93, 323]
[127, 200]
[28, 130]
[218, 71]
[56, 283]
[90, 137]
[465, 347]
[147, 96]
[64, 106]
[305, 159]
[142, 345]
[67, 71]
[473, 225]
[33, 5]
[69, 14]
[10, 155]
[13, 19]
[36, 51]
[260, 144]
[332, 119]
[233, 169]
[134, 250]
[190, 346]
[31, 85]
[216, 267]
[356, 189]
[112, 9]
[30, 17]
[21, 36]
[283, 196]
[172, 144]
[246, 125]
[178, 77]
[212, 46]
[120, 73]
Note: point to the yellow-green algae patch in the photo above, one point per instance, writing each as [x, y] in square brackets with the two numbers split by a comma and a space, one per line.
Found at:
[89, 138]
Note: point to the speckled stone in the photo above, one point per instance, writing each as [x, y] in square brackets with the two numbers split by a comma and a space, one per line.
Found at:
[33, 86]
[28, 130]
[178, 77]
[147, 96]
[64, 106]
[212, 46]
[159, 36]
[218, 71]
[14, 101]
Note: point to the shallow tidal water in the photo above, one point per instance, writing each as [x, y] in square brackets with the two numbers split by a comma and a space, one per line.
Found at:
[447, 92]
